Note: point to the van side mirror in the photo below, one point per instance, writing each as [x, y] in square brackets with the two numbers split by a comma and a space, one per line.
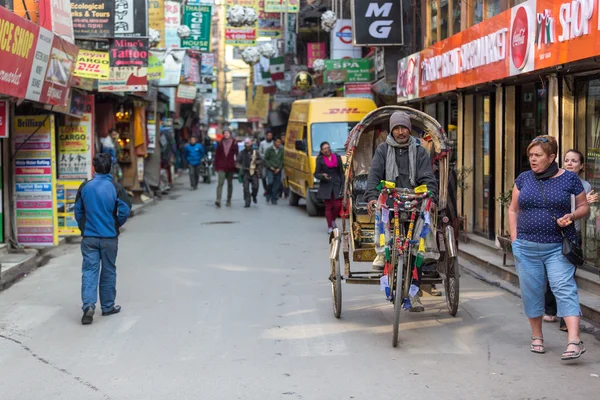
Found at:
[300, 145]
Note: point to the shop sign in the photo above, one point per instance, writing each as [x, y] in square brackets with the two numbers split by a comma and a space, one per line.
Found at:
[4, 109]
[156, 19]
[198, 18]
[348, 70]
[151, 129]
[35, 200]
[186, 93]
[57, 75]
[75, 144]
[208, 64]
[129, 52]
[360, 90]
[341, 41]
[125, 79]
[92, 64]
[172, 67]
[191, 66]
[269, 24]
[155, 68]
[379, 63]
[55, 16]
[377, 23]
[407, 84]
[82, 83]
[172, 22]
[93, 18]
[66, 196]
[131, 18]
[279, 6]
[241, 36]
[315, 51]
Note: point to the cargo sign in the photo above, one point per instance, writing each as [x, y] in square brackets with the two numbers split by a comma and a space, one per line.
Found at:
[348, 70]
[92, 64]
[75, 144]
[35, 181]
[93, 18]
[198, 19]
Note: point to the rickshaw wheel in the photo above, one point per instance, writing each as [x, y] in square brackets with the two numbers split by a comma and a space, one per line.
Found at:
[336, 287]
[451, 286]
[397, 299]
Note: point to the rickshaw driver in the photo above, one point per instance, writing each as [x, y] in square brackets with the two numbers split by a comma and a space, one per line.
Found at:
[400, 159]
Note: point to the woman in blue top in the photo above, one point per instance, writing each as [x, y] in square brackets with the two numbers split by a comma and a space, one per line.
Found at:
[540, 208]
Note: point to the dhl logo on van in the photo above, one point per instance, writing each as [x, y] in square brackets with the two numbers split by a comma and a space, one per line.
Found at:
[342, 111]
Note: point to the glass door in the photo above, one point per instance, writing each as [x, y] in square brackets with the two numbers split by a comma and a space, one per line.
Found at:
[484, 165]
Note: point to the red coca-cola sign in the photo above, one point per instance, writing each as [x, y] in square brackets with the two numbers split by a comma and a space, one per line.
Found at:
[519, 38]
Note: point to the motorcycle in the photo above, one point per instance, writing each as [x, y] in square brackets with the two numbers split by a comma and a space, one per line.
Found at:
[207, 167]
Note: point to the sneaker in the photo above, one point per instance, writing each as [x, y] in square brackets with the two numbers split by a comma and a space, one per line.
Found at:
[115, 310]
[247, 205]
[415, 304]
[88, 316]
[379, 262]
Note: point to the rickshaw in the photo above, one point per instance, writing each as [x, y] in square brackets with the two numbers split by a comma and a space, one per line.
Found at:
[361, 231]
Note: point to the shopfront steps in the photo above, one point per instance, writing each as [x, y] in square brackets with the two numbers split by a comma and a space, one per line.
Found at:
[482, 255]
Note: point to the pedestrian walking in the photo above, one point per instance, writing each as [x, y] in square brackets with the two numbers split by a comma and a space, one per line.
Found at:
[193, 153]
[573, 162]
[225, 160]
[330, 172]
[274, 163]
[264, 145]
[539, 215]
[249, 161]
[101, 208]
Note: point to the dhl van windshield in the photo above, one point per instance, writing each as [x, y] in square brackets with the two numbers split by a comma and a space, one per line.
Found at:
[336, 133]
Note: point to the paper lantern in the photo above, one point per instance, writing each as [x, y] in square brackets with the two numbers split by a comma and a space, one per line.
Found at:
[251, 55]
[328, 20]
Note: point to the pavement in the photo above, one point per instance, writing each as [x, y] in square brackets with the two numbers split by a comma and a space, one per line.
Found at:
[235, 303]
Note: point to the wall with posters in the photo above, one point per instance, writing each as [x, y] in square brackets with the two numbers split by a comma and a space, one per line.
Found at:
[34, 180]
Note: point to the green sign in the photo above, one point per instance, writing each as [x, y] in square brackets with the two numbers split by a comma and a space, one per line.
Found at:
[156, 70]
[198, 19]
[349, 70]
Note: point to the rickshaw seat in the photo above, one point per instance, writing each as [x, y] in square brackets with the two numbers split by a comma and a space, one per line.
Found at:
[359, 189]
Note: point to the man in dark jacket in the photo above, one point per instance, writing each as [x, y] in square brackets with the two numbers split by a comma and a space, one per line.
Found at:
[101, 208]
[274, 164]
[400, 159]
[193, 153]
[249, 162]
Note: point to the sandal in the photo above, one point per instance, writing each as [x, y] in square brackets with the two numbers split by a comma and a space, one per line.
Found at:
[537, 348]
[549, 318]
[573, 355]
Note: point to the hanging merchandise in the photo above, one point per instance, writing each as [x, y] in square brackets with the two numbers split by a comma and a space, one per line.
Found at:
[328, 20]
[236, 16]
[251, 55]
[267, 50]
[319, 65]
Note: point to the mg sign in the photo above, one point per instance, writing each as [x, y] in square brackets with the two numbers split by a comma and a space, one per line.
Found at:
[377, 23]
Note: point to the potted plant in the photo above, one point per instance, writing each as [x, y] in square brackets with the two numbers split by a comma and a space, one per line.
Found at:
[504, 200]
[462, 186]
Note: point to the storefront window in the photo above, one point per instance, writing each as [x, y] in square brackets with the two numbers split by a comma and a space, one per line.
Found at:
[455, 17]
[433, 23]
[477, 12]
[492, 8]
[444, 14]
[533, 113]
[591, 231]
[443, 19]
[484, 177]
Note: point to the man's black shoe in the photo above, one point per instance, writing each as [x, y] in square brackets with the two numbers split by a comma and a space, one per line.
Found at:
[88, 316]
[115, 310]
[254, 199]
[247, 205]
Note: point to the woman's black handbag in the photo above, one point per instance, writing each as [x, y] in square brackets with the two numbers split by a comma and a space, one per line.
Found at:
[570, 250]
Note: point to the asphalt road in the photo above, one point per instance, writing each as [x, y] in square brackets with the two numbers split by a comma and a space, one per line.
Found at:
[235, 304]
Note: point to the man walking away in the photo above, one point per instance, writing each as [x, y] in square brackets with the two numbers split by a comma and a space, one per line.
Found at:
[274, 163]
[101, 208]
[193, 153]
[262, 150]
[249, 161]
[225, 156]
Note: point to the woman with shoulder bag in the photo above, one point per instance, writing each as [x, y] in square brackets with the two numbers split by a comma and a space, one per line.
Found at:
[543, 235]
[330, 171]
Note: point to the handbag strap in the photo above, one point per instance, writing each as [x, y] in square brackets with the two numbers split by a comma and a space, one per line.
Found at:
[548, 209]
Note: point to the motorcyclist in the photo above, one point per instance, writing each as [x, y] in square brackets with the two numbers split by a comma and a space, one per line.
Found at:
[400, 159]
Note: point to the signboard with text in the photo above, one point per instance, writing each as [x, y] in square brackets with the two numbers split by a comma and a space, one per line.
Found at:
[172, 22]
[242, 35]
[92, 64]
[129, 52]
[348, 70]
[75, 144]
[93, 18]
[55, 16]
[66, 195]
[131, 18]
[35, 178]
[198, 18]
[156, 19]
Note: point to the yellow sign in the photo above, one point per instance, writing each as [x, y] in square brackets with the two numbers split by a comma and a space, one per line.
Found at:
[92, 64]
[66, 194]
[156, 19]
